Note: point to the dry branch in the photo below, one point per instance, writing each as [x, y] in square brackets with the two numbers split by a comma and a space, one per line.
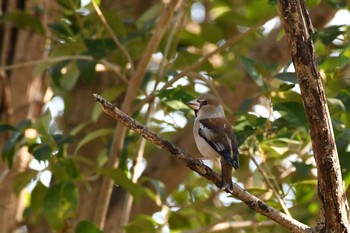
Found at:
[203, 170]
[297, 23]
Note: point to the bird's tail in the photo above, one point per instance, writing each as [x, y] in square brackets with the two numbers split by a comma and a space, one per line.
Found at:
[226, 174]
[235, 160]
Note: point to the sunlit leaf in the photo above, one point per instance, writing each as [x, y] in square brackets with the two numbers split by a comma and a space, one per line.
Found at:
[87, 227]
[178, 221]
[21, 180]
[70, 4]
[61, 203]
[93, 136]
[70, 77]
[141, 224]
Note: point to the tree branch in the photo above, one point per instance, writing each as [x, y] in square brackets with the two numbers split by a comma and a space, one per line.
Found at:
[130, 94]
[203, 170]
[114, 37]
[298, 27]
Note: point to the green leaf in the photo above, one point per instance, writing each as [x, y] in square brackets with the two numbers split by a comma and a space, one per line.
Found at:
[22, 179]
[211, 32]
[70, 78]
[287, 77]
[6, 127]
[94, 135]
[160, 191]
[150, 14]
[115, 21]
[70, 4]
[120, 178]
[36, 208]
[24, 20]
[329, 34]
[312, 182]
[303, 170]
[178, 221]
[293, 113]
[100, 48]
[66, 170]
[61, 139]
[97, 2]
[253, 73]
[175, 94]
[8, 149]
[61, 203]
[142, 224]
[87, 69]
[23, 125]
[42, 152]
[336, 103]
[87, 227]
[337, 3]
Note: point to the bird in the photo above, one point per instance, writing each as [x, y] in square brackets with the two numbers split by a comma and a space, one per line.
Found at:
[214, 135]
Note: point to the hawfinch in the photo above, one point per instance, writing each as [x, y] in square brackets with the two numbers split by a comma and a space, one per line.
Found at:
[214, 135]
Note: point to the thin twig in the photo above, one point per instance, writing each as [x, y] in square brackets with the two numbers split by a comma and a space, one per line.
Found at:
[130, 95]
[115, 39]
[232, 225]
[271, 186]
[106, 63]
[203, 59]
[48, 60]
[203, 170]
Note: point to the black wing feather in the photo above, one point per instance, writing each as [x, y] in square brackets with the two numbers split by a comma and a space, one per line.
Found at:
[223, 148]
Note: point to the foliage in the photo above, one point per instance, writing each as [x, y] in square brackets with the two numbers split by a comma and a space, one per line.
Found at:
[271, 125]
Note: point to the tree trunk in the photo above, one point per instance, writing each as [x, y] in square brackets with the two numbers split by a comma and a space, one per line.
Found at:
[22, 93]
[298, 27]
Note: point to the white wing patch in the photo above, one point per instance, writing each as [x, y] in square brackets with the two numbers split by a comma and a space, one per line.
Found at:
[207, 133]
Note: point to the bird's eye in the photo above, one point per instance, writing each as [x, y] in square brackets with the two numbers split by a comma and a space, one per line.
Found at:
[204, 103]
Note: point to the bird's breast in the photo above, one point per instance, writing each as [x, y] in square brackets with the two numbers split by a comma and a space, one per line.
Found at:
[203, 147]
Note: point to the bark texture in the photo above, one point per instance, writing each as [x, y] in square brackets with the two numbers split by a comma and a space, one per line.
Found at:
[21, 98]
[298, 27]
[203, 170]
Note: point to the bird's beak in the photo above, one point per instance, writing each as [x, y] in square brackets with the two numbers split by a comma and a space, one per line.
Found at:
[194, 104]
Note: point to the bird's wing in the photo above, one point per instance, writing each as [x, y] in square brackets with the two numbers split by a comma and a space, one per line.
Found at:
[217, 132]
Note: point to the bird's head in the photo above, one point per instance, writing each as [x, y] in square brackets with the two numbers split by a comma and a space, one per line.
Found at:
[206, 106]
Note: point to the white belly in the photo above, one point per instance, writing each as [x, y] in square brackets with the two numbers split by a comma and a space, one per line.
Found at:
[204, 148]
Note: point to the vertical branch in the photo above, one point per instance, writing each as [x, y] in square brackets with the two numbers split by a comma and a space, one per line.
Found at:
[298, 27]
[130, 95]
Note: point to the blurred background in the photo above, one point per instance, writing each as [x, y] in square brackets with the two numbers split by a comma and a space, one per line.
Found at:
[68, 167]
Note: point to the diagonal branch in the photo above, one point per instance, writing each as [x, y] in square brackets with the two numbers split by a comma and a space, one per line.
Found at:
[203, 170]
